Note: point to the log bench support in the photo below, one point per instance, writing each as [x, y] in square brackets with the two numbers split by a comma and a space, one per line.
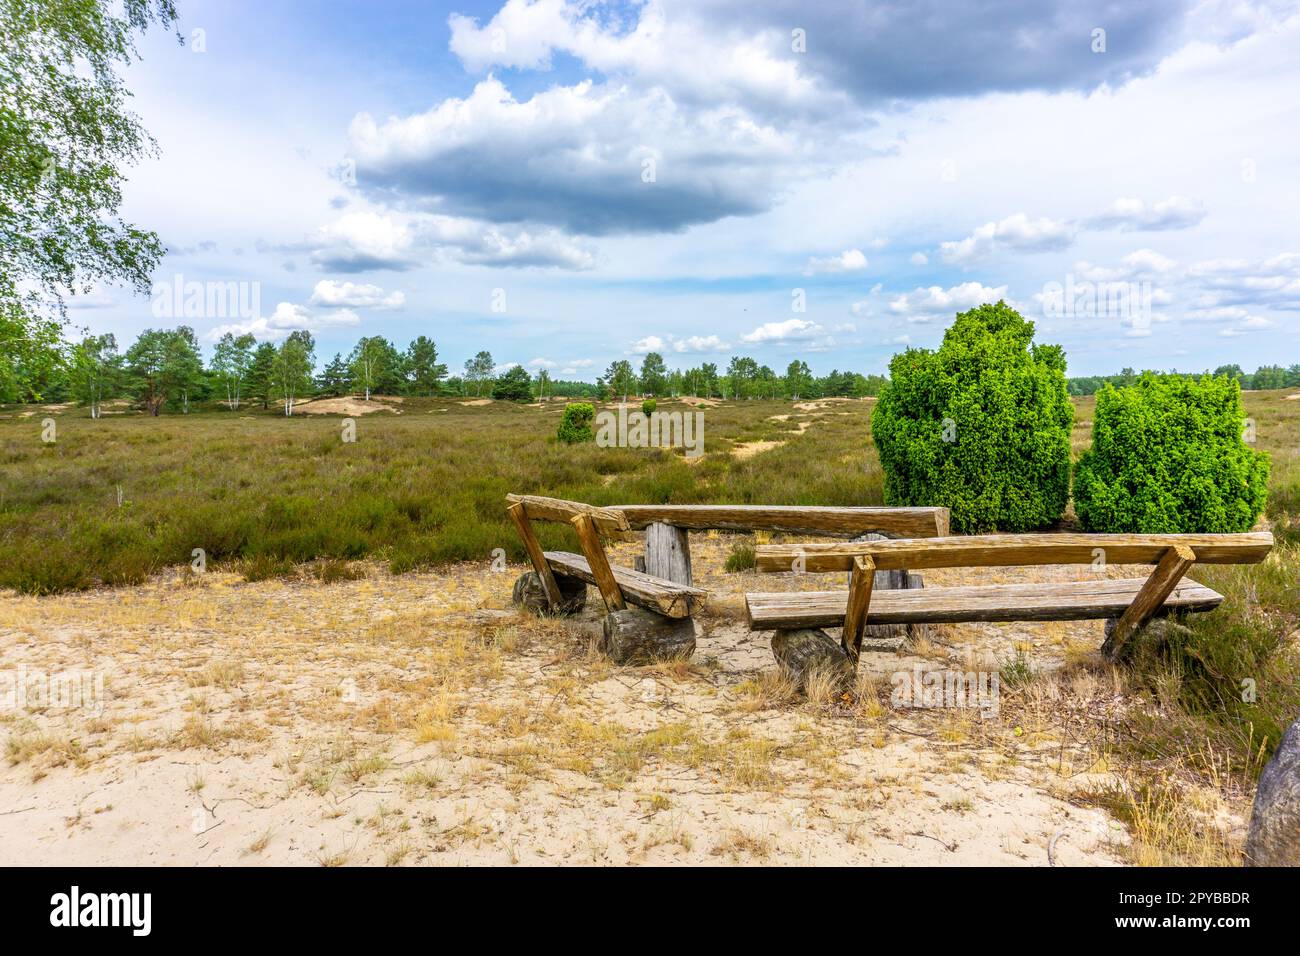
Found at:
[538, 590]
[1173, 564]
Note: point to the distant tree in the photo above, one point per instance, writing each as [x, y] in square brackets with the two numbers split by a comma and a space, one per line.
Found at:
[620, 379]
[147, 369]
[798, 378]
[654, 374]
[261, 373]
[741, 372]
[96, 371]
[231, 360]
[543, 380]
[333, 378]
[708, 385]
[1268, 376]
[372, 364]
[516, 385]
[478, 371]
[184, 367]
[293, 367]
[423, 370]
[1231, 371]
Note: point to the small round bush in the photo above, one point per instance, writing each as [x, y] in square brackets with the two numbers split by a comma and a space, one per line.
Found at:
[1168, 457]
[575, 426]
[648, 407]
[981, 426]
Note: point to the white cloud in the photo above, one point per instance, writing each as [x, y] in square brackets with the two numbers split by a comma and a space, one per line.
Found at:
[361, 241]
[924, 304]
[789, 330]
[651, 343]
[1017, 232]
[590, 159]
[366, 240]
[850, 260]
[1143, 263]
[919, 259]
[542, 363]
[287, 317]
[1176, 212]
[355, 295]
[700, 343]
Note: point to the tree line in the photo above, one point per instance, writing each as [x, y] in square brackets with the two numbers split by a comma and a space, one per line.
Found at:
[164, 369]
[1264, 377]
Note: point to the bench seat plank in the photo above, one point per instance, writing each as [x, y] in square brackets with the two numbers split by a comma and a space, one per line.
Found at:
[644, 590]
[1053, 601]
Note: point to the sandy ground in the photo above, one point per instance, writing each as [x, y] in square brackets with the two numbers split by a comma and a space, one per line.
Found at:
[419, 720]
[347, 405]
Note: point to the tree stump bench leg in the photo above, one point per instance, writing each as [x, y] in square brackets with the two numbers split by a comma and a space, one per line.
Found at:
[802, 652]
[530, 594]
[637, 636]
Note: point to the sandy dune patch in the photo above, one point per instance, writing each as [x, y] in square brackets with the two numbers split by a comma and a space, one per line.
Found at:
[342, 406]
[751, 448]
[478, 401]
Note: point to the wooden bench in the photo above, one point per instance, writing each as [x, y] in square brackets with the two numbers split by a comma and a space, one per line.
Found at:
[1131, 603]
[665, 586]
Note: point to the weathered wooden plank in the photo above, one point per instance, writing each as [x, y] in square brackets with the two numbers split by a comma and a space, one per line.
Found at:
[855, 616]
[792, 519]
[519, 516]
[541, 508]
[1173, 565]
[668, 553]
[1006, 550]
[597, 563]
[1053, 601]
[643, 590]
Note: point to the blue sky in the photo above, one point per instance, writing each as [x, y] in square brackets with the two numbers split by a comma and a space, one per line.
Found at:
[566, 184]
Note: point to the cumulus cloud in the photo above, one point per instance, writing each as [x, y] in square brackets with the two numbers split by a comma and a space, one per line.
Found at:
[789, 330]
[369, 240]
[1273, 282]
[1140, 264]
[1017, 232]
[362, 241]
[924, 304]
[355, 295]
[287, 317]
[1176, 212]
[651, 343]
[850, 260]
[917, 51]
[590, 159]
[700, 343]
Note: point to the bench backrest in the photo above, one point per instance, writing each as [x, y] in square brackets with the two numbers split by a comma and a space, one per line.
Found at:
[1006, 550]
[791, 519]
